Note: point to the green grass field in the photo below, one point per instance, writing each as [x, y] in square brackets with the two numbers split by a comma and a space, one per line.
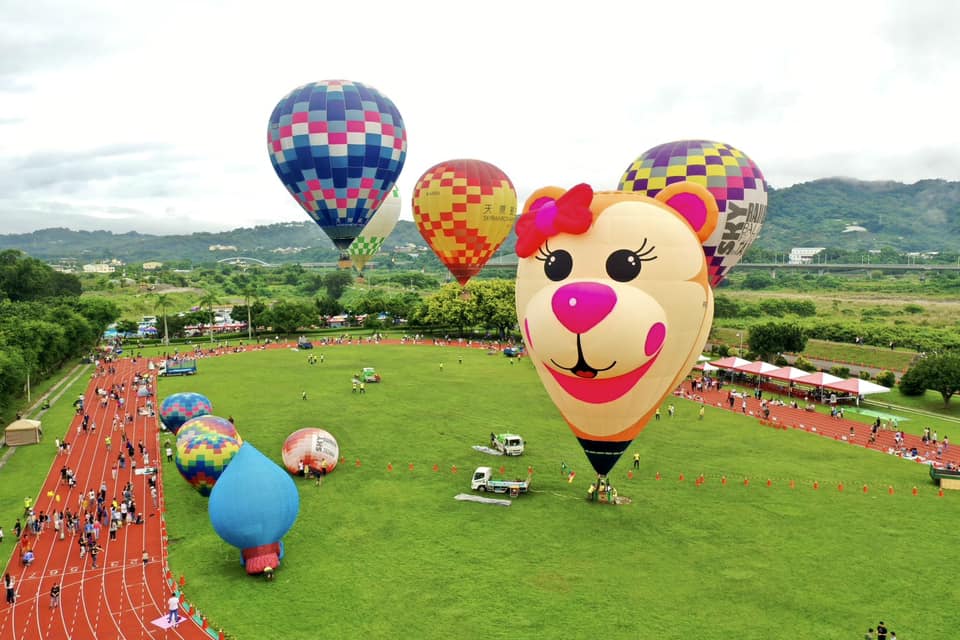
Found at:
[384, 554]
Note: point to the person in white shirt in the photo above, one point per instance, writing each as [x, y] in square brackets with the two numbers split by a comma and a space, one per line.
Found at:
[173, 607]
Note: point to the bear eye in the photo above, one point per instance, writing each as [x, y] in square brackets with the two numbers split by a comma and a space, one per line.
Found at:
[557, 265]
[623, 265]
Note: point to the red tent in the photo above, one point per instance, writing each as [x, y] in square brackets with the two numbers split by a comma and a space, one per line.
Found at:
[857, 387]
[819, 379]
[789, 374]
[730, 363]
[758, 368]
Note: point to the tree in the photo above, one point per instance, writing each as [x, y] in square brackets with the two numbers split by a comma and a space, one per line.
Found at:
[450, 308]
[496, 306]
[939, 373]
[287, 317]
[162, 302]
[771, 338]
[337, 282]
[328, 306]
[207, 302]
[251, 292]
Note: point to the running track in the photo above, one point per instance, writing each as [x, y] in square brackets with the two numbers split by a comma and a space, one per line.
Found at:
[121, 597]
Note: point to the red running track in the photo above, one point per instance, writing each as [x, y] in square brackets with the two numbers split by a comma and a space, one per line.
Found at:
[122, 596]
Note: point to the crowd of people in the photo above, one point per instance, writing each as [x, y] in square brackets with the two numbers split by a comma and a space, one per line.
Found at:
[97, 515]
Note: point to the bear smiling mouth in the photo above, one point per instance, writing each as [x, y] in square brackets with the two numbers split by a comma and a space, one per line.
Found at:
[586, 387]
[581, 369]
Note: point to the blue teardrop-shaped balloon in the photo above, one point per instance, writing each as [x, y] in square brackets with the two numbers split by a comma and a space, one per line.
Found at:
[255, 502]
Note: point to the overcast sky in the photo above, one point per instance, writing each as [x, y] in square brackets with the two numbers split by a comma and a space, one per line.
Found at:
[152, 116]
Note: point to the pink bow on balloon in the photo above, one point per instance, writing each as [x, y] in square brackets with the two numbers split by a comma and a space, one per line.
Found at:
[570, 213]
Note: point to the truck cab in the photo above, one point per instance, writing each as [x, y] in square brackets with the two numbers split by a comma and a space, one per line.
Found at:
[480, 478]
[509, 444]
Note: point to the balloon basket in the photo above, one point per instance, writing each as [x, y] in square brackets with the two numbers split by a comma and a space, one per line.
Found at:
[344, 263]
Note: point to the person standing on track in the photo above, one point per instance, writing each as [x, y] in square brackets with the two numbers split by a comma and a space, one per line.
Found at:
[173, 608]
[55, 596]
[11, 584]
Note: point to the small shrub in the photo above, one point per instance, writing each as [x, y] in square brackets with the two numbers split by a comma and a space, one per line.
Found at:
[887, 379]
[913, 308]
[840, 372]
[803, 363]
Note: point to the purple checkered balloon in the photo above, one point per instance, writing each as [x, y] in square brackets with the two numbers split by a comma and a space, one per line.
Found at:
[734, 180]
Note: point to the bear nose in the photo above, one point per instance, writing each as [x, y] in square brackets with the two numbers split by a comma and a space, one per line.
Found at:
[581, 305]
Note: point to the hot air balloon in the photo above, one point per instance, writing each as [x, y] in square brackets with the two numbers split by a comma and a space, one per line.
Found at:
[202, 457]
[338, 147]
[368, 243]
[734, 180]
[208, 423]
[614, 303]
[252, 506]
[180, 407]
[464, 210]
[313, 447]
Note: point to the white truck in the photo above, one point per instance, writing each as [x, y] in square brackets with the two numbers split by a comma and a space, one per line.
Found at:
[509, 444]
[483, 481]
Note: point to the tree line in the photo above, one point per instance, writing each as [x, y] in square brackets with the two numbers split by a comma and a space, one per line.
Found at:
[44, 323]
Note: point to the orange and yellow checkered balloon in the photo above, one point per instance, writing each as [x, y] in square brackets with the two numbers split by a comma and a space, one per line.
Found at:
[464, 209]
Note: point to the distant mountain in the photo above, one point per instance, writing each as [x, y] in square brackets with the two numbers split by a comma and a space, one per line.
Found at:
[283, 242]
[924, 216]
[833, 212]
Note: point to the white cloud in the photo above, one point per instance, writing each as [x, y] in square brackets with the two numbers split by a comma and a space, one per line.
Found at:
[553, 93]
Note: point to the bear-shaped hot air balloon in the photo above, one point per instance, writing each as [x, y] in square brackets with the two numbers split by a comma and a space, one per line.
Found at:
[180, 407]
[252, 506]
[733, 179]
[614, 303]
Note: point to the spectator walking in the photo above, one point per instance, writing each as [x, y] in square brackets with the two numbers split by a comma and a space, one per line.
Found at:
[11, 585]
[55, 596]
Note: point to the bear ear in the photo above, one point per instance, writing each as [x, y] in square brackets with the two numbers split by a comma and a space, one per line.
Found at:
[552, 193]
[695, 204]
